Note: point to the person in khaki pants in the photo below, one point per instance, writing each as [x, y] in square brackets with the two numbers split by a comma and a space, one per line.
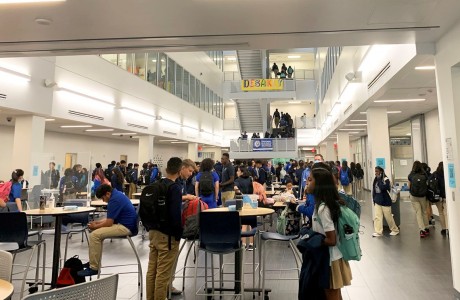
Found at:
[382, 204]
[121, 221]
[164, 242]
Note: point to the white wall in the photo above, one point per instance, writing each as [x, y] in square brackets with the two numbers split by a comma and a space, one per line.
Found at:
[230, 112]
[433, 138]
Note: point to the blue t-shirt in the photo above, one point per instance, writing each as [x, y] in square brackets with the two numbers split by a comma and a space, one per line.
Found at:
[121, 211]
[211, 199]
[15, 191]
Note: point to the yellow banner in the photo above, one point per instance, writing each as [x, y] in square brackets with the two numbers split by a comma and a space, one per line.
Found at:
[262, 84]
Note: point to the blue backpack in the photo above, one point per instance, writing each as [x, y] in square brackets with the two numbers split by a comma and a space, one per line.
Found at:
[344, 179]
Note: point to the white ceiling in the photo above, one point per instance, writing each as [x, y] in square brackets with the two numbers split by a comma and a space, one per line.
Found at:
[95, 26]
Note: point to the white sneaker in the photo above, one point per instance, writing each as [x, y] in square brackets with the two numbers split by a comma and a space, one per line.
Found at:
[393, 233]
[375, 234]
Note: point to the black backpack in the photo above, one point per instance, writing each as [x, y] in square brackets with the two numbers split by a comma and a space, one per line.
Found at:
[69, 273]
[153, 210]
[130, 175]
[433, 191]
[418, 186]
[206, 184]
[69, 186]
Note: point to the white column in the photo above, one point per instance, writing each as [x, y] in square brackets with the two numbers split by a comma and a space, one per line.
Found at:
[330, 152]
[145, 153]
[343, 146]
[448, 89]
[193, 151]
[29, 137]
[322, 150]
[378, 141]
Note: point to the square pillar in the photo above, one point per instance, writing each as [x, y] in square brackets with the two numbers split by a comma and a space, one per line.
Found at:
[145, 152]
[343, 146]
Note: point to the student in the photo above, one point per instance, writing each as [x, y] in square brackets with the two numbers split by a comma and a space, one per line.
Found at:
[99, 178]
[276, 117]
[290, 71]
[359, 177]
[417, 190]
[275, 69]
[164, 247]
[16, 188]
[228, 178]
[121, 221]
[68, 185]
[186, 171]
[133, 178]
[346, 178]
[51, 177]
[382, 203]
[117, 179]
[441, 204]
[211, 178]
[327, 211]
[243, 182]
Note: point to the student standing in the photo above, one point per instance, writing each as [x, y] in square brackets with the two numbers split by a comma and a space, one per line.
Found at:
[417, 189]
[207, 183]
[327, 211]
[441, 204]
[228, 179]
[382, 204]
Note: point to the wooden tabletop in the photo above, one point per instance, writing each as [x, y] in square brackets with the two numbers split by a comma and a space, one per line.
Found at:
[102, 203]
[57, 211]
[6, 289]
[137, 194]
[246, 212]
[279, 204]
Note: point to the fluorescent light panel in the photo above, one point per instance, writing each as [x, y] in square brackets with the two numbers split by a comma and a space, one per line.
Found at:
[352, 129]
[293, 56]
[168, 140]
[358, 121]
[388, 112]
[425, 68]
[179, 142]
[295, 102]
[14, 74]
[359, 125]
[99, 130]
[231, 58]
[400, 100]
[76, 126]
[124, 133]
[50, 120]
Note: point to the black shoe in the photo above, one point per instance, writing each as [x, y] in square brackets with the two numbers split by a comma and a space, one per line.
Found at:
[87, 272]
[444, 232]
[86, 265]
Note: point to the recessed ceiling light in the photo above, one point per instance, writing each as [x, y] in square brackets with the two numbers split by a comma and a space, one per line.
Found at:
[50, 120]
[43, 21]
[294, 102]
[400, 100]
[293, 56]
[28, 1]
[99, 130]
[409, 134]
[124, 133]
[425, 68]
[76, 126]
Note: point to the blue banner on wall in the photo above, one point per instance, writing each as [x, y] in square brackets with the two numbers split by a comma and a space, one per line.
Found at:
[380, 162]
[451, 173]
[262, 145]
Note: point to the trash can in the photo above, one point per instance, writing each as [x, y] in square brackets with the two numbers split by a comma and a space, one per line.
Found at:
[395, 208]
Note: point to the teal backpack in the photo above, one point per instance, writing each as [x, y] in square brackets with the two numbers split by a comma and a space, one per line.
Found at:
[348, 234]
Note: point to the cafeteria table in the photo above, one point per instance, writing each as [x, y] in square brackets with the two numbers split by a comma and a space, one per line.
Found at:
[6, 289]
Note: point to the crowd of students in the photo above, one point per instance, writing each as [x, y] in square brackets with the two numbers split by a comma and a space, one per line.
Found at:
[284, 72]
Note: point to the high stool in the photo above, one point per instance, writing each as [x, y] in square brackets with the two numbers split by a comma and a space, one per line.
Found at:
[267, 237]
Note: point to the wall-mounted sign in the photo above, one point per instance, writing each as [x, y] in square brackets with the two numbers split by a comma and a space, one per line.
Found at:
[262, 84]
[449, 149]
[262, 145]
[380, 162]
[451, 173]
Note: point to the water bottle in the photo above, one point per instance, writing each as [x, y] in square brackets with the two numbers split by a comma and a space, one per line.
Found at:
[51, 201]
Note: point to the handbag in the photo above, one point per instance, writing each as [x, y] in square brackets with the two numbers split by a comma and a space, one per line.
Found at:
[393, 195]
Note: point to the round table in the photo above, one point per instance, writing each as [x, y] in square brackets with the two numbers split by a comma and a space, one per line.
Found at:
[57, 213]
[98, 203]
[137, 195]
[246, 212]
[6, 289]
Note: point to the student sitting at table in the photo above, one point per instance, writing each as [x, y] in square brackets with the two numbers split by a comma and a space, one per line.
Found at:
[243, 182]
[121, 221]
[259, 190]
[290, 189]
[14, 195]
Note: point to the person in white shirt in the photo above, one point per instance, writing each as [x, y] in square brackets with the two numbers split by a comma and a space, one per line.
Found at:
[325, 217]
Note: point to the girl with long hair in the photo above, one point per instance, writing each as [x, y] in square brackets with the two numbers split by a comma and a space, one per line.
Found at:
[325, 217]
[117, 179]
[382, 203]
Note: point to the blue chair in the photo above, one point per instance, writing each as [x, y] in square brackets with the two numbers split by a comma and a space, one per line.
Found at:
[220, 233]
[14, 239]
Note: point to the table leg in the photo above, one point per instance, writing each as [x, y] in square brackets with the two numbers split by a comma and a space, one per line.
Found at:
[56, 250]
[238, 269]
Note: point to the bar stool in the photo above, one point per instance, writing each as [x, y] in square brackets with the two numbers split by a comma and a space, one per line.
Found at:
[267, 237]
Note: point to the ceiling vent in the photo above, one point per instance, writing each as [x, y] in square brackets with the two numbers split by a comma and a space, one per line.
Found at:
[169, 132]
[137, 126]
[379, 75]
[83, 115]
[2, 96]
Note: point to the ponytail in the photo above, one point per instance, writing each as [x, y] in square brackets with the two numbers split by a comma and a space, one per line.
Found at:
[16, 174]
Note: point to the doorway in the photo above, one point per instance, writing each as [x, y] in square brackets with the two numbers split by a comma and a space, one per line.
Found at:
[70, 160]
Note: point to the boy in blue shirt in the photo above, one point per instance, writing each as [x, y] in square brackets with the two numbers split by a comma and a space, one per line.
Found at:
[121, 221]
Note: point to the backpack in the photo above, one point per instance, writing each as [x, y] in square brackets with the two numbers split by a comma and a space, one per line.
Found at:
[418, 187]
[69, 186]
[433, 191]
[281, 222]
[344, 179]
[206, 184]
[190, 218]
[5, 189]
[268, 177]
[351, 203]
[68, 275]
[153, 209]
[348, 234]
[130, 176]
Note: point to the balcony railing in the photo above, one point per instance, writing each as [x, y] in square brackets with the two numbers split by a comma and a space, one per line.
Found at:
[305, 123]
[299, 74]
[263, 145]
[231, 124]
[289, 86]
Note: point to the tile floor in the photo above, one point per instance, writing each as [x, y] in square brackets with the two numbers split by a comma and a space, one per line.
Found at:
[398, 268]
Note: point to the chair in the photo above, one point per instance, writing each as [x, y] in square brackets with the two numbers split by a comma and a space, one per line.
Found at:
[100, 289]
[139, 266]
[267, 237]
[220, 233]
[72, 219]
[6, 265]
[14, 239]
